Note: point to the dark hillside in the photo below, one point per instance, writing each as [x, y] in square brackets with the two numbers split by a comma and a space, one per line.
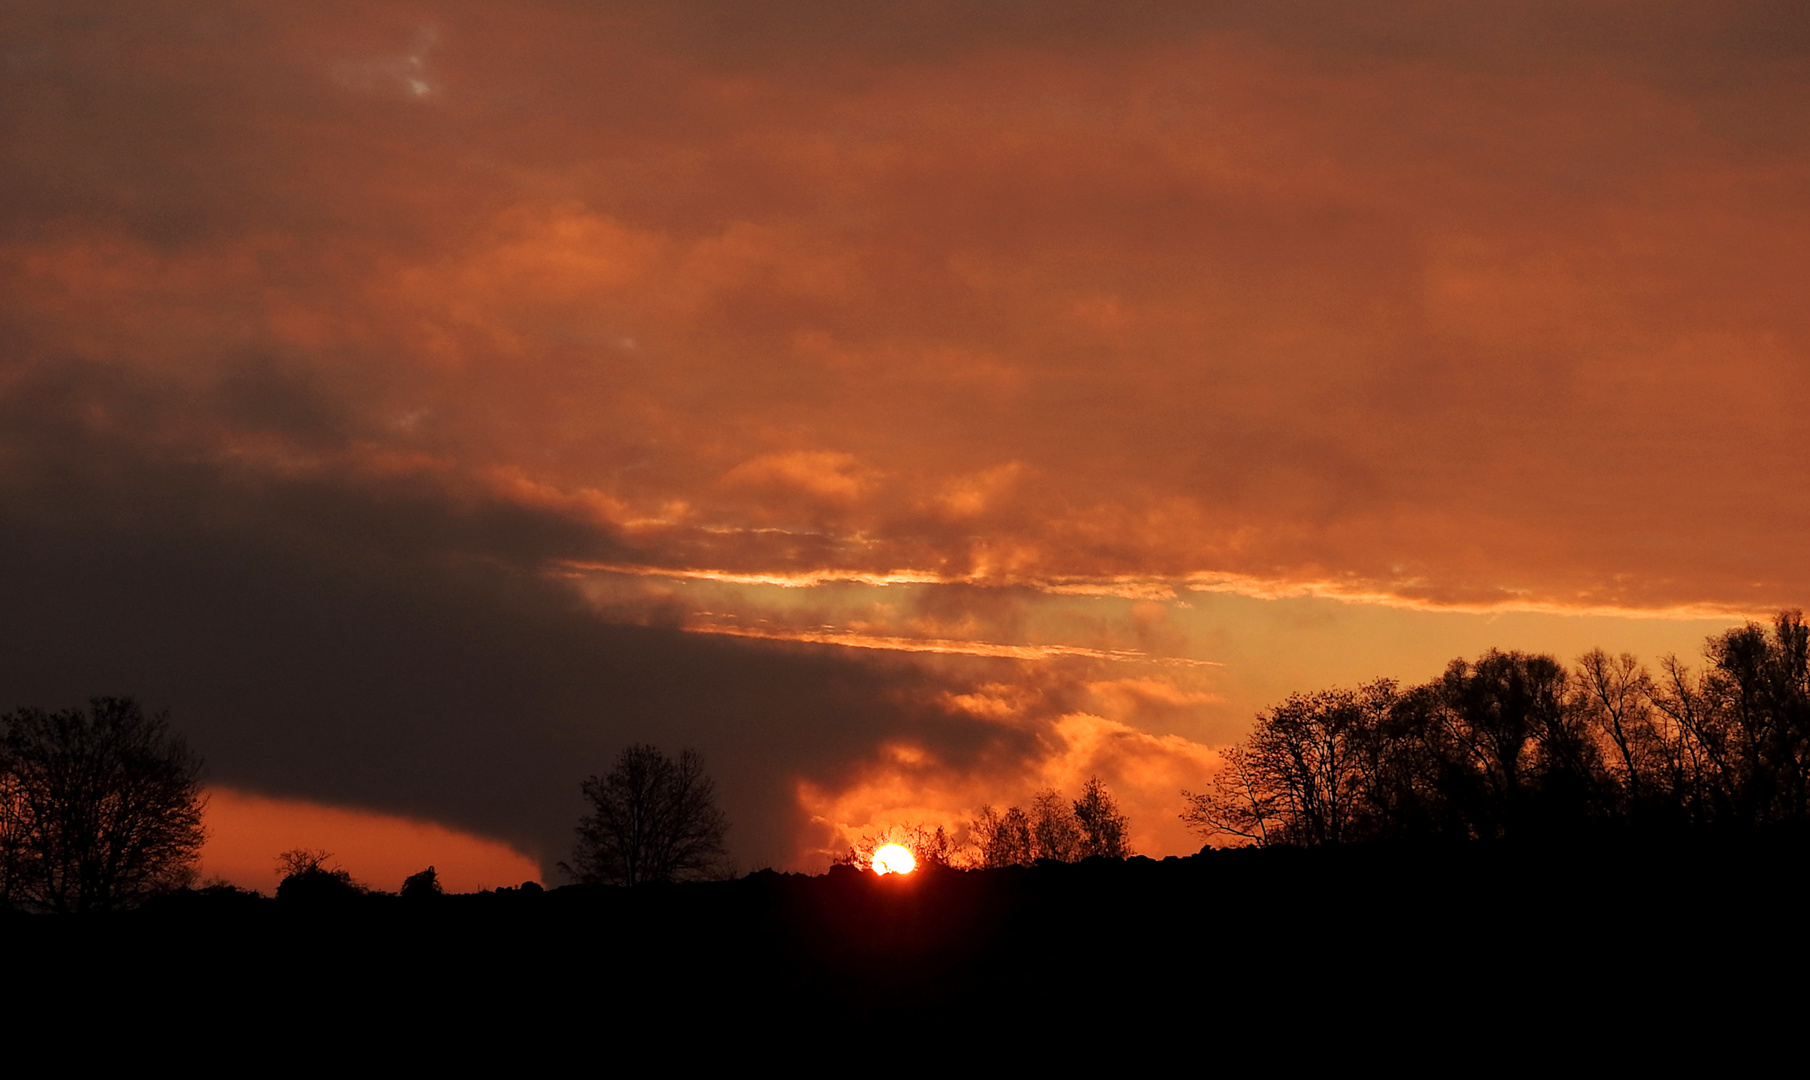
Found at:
[1247, 941]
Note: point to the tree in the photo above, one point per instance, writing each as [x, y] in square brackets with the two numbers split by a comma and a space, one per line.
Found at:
[1646, 759]
[652, 818]
[1515, 745]
[1103, 828]
[1744, 724]
[1244, 802]
[1320, 768]
[1527, 760]
[306, 877]
[1054, 826]
[1297, 779]
[98, 808]
[1054, 829]
[422, 886]
[301, 860]
[1004, 840]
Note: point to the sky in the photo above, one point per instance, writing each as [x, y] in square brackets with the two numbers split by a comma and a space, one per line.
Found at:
[911, 407]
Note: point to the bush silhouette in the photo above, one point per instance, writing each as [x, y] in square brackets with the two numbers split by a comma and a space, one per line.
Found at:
[309, 880]
[423, 885]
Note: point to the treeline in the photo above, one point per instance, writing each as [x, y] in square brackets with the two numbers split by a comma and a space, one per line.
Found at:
[1515, 744]
[1053, 828]
[101, 807]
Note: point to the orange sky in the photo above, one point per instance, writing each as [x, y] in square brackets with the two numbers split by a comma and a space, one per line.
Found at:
[245, 831]
[910, 407]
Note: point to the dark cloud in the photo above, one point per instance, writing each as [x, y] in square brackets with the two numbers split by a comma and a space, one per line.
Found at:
[378, 647]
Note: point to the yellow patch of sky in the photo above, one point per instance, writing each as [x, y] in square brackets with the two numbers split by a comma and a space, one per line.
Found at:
[1258, 649]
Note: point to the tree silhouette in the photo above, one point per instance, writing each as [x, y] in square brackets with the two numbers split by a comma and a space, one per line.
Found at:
[652, 818]
[307, 877]
[1103, 828]
[1058, 832]
[1299, 777]
[1054, 828]
[1743, 724]
[1614, 695]
[421, 886]
[1008, 839]
[1244, 802]
[1513, 744]
[98, 808]
[306, 861]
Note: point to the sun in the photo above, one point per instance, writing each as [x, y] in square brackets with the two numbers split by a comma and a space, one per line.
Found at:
[893, 859]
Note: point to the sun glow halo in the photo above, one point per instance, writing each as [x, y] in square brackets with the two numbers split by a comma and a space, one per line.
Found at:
[893, 859]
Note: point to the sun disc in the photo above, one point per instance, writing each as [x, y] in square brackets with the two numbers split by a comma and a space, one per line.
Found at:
[893, 859]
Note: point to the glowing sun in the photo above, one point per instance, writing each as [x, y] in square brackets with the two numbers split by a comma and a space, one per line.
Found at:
[893, 859]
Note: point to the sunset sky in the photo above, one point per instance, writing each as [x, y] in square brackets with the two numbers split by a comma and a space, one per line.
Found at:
[910, 406]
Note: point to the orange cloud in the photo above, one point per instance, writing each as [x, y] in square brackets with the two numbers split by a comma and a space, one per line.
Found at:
[1240, 335]
[1047, 321]
[822, 474]
[906, 785]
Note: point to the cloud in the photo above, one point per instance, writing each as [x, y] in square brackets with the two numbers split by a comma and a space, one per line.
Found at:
[405, 73]
[1290, 318]
[411, 430]
[823, 475]
[908, 785]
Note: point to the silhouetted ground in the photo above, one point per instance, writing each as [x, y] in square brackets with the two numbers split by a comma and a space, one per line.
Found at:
[1402, 952]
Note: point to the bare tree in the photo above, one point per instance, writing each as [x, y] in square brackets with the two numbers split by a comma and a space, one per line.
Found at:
[306, 876]
[1243, 803]
[307, 861]
[98, 808]
[1647, 759]
[1703, 757]
[652, 818]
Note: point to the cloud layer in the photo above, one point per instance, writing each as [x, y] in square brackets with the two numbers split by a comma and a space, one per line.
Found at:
[398, 393]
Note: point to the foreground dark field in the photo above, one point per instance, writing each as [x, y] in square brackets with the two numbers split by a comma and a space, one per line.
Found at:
[1524, 942]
